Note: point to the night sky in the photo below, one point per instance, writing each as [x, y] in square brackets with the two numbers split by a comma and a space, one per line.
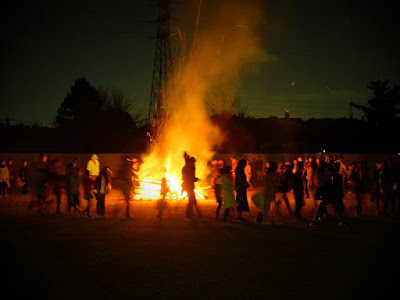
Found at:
[329, 49]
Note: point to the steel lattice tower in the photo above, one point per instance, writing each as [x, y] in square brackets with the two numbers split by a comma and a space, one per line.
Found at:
[162, 81]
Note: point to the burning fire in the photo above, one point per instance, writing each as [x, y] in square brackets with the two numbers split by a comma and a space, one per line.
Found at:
[212, 65]
[151, 189]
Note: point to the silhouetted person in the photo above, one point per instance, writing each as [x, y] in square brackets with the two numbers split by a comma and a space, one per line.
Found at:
[328, 192]
[57, 181]
[101, 188]
[394, 176]
[354, 185]
[13, 176]
[259, 168]
[4, 178]
[87, 192]
[216, 184]
[188, 180]
[283, 182]
[162, 203]
[39, 181]
[227, 188]
[270, 190]
[93, 171]
[73, 182]
[376, 194]
[298, 188]
[386, 183]
[24, 176]
[309, 177]
[241, 189]
[128, 182]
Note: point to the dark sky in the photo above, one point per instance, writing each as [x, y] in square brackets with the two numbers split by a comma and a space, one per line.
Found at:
[330, 49]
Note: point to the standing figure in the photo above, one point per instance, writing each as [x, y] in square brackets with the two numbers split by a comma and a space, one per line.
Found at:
[298, 188]
[216, 184]
[91, 174]
[354, 185]
[241, 189]
[188, 180]
[128, 181]
[270, 190]
[4, 178]
[309, 175]
[39, 181]
[234, 163]
[57, 181]
[376, 186]
[328, 191]
[87, 192]
[102, 187]
[259, 167]
[73, 181]
[13, 176]
[162, 204]
[248, 172]
[386, 185]
[227, 188]
[24, 176]
[283, 178]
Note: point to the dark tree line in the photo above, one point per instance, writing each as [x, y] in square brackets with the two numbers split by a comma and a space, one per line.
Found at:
[101, 120]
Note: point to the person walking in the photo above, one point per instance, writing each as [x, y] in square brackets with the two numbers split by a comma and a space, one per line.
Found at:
[91, 174]
[39, 182]
[101, 188]
[188, 180]
[216, 184]
[376, 194]
[298, 188]
[241, 189]
[24, 177]
[162, 203]
[73, 181]
[4, 178]
[270, 194]
[129, 175]
[13, 176]
[386, 185]
[227, 189]
[328, 192]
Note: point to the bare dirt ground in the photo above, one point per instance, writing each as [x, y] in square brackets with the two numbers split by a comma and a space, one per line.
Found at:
[71, 257]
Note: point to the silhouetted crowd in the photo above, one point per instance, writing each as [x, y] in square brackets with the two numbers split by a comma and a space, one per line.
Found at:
[324, 180]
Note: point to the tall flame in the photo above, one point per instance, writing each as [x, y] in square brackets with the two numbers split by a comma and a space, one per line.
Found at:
[223, 39]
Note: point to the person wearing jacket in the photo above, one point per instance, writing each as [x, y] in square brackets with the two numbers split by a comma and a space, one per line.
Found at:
[24, 176]
[101, 188]
[227, 189]
[188, 180]
[13, 176]
[4, 178]
[241, 189]
[298, 188]
[40, 178]
[328, 191]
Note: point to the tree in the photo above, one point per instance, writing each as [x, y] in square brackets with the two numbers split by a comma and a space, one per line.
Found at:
[97, 119]
[81, 105]
[225, 102]
[382, 109]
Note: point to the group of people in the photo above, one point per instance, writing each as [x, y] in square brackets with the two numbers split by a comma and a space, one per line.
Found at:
[325, 180]
[10, 179]
[48, 176]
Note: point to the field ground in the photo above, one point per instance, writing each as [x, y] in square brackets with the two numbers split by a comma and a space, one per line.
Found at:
[71, 257]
